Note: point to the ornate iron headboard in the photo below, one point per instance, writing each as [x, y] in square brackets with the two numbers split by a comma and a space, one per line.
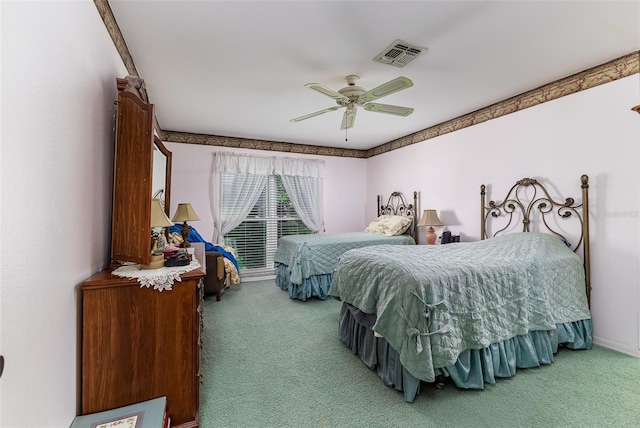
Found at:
[397, 205]
[539, 200]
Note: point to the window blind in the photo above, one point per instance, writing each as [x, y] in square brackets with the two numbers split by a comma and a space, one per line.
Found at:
[256, 238]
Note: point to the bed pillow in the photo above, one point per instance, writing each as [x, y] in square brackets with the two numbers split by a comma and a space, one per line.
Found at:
[373, 226]
[389, 225]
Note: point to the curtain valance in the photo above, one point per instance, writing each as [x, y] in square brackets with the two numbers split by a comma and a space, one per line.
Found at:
[266, 165]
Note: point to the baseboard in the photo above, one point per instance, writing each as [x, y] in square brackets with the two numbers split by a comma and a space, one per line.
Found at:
[616, 346]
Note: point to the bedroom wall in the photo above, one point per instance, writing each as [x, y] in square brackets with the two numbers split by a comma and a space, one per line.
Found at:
[344, 196]
[58, 87]
[592, 132]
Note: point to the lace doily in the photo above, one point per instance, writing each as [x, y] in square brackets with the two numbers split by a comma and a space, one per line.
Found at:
[161, 278]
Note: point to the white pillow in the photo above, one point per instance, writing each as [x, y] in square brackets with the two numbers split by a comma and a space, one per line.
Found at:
[389, 225]
[373, 226]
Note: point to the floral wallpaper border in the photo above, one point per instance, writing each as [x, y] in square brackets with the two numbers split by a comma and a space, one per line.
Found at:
[622, 67]
[114, 31]
[244, 143]
[608, 72]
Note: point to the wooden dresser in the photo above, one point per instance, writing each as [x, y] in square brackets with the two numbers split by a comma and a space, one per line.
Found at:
[140, 343]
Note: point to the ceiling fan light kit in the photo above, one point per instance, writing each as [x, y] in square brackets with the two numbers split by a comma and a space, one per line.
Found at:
[352, 96]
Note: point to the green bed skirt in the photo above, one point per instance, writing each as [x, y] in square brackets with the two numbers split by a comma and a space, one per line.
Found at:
[474, 367]
[316, 286]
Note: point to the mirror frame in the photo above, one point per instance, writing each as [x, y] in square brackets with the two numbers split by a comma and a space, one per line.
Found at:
[135, 143]
[167, 182]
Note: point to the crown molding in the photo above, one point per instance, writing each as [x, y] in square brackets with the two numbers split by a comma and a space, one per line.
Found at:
[608, 72]
[116, 35]
[245, 143]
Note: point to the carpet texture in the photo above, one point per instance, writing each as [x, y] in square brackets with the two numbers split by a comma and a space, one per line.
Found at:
[269, 361]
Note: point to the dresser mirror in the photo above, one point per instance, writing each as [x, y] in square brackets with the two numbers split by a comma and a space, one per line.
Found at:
[142, 170]
[161, 182]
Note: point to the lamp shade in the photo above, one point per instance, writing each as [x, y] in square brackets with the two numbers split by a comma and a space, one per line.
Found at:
[429, 218]
[185, 212]
[158, 217]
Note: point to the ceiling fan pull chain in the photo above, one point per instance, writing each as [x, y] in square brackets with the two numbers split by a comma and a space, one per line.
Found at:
[345, 134]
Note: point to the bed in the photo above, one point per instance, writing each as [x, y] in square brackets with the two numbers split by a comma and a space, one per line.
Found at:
[305, 263]
[470, 313]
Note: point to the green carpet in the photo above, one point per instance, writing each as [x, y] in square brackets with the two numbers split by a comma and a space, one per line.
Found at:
[269, 361]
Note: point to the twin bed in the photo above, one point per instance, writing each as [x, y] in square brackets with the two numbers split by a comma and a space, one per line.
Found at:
[305, 263]
[472, 312]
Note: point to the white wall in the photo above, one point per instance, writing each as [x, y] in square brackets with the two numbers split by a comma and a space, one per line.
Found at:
[58, 87]
[593, 132]
[192, 167]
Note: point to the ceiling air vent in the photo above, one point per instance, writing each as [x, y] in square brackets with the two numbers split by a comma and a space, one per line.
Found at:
[399, 53]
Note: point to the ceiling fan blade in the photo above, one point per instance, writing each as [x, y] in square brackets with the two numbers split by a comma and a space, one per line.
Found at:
[388, 109]
[395, 85]
[307, 116]
[349, 118]
[326, 91]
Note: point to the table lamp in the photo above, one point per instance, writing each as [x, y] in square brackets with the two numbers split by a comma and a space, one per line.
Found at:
[430, 218]
[185, 213]
[158, 220]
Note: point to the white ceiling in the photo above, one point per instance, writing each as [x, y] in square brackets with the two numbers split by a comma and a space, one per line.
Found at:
[238, 68]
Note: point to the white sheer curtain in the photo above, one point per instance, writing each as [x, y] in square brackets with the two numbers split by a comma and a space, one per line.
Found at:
[302, 179]
[232, 204]
[241, 191]
[306, 196]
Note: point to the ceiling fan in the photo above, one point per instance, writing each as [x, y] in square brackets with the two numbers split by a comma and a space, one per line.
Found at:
[352, 96]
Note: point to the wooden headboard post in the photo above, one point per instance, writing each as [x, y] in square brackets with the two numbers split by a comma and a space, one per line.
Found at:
[543, 204]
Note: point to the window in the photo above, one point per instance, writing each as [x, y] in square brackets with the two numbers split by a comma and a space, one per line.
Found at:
[259, 199]
[256, 238]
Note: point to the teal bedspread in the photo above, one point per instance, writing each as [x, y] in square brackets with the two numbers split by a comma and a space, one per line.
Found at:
[434, 302]
[308, 255]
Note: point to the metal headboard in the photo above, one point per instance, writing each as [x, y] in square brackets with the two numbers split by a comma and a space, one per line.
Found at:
[397, 205]
[539, 201]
